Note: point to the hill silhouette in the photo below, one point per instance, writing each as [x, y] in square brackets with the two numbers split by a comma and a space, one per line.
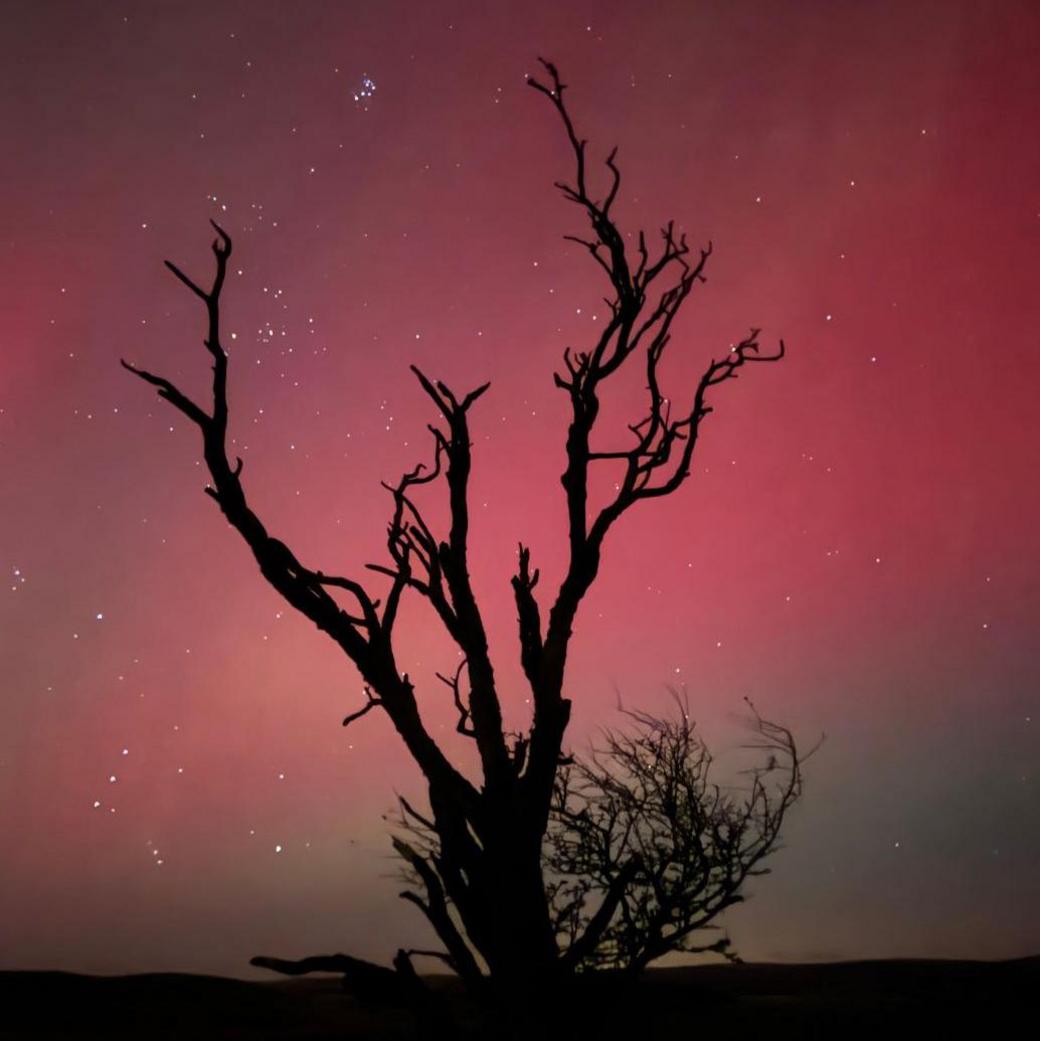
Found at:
[831, 1000]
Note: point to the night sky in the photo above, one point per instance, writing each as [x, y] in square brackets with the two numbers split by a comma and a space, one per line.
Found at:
[856, 550]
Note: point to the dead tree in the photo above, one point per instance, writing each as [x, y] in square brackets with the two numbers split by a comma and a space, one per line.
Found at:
[484, 892]
[644, 850]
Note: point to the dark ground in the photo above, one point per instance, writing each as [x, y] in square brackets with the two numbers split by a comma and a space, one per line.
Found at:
[834, 1001]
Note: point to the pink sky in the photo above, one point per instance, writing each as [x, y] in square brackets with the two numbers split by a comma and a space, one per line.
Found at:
[856, 550]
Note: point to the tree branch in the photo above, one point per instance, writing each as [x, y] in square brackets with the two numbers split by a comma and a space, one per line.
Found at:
[654, 466]
[364, 639]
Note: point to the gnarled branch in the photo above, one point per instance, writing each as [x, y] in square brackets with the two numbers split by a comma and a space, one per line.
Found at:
[365, 638]
[659, 460]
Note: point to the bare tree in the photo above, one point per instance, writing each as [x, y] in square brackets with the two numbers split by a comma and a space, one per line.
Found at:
[484, 892]
[644, 849]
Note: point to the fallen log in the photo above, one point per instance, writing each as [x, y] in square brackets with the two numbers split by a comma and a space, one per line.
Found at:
[366, 980]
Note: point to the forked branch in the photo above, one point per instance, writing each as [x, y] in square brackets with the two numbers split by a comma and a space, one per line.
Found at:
[364, 636]
[648, 292]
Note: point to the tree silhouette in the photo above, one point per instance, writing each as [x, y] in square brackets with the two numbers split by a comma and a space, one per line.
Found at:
[644, 849]
[483, 889]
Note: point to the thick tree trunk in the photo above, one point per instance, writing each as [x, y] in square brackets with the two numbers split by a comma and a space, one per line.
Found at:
[493, 875]
[524, 946]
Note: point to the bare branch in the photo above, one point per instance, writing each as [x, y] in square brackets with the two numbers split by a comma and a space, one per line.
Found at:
[447, 584]
[373, 702]
[645, 850]
[167, 390]
[362, 637]
[435, 908]
[463, 726]
[659, 460]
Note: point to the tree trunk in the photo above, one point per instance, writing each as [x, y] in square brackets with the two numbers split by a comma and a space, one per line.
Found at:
[497, 887]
